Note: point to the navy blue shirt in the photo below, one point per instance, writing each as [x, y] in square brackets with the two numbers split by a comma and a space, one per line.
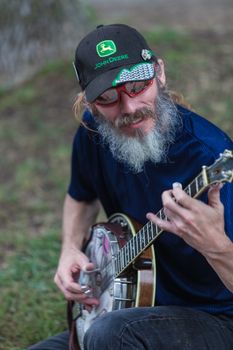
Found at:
[184, 277]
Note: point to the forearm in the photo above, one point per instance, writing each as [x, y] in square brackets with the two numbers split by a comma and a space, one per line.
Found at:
[78, 217]
[222, 262]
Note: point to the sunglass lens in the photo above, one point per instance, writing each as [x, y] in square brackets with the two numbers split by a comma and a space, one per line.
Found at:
[136, 87]
[109, 96]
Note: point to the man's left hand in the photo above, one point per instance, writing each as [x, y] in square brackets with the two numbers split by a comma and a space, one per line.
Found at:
[200, 225]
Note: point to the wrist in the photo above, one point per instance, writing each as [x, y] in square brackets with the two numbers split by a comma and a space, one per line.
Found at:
[223, 248]
[73, 242]
[69, 247]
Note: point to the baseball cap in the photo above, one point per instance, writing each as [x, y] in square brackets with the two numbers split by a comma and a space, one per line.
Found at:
[111, 55]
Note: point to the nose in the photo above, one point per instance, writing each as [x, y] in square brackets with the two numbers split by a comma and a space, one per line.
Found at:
[127, 104]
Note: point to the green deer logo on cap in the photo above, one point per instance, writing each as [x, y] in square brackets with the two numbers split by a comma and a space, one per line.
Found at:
[106, 48]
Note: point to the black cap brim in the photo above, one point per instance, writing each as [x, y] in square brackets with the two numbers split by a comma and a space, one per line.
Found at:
[105, 81]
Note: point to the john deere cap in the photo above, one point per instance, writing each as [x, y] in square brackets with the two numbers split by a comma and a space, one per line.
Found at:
[111, 55]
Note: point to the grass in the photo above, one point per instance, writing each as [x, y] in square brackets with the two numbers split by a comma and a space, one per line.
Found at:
[36, 131]
[28, 290]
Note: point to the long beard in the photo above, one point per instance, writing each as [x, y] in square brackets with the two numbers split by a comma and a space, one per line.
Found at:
[135, 150]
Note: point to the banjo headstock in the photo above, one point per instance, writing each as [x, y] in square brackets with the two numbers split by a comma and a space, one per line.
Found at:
[221, 170]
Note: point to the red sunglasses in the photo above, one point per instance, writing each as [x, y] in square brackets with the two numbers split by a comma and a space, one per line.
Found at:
[132, 89]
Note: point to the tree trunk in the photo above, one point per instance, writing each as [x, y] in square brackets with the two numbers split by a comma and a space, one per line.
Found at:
[33, 32]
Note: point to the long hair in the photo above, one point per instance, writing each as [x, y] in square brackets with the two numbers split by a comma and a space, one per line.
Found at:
[80, 104]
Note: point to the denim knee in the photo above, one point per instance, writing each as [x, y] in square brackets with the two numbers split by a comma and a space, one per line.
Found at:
[103, 334]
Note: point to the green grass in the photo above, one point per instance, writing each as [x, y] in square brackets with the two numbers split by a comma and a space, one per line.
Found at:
[36, 131]
[31, 307]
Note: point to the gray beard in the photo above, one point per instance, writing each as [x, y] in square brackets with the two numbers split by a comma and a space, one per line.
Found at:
[135, 151]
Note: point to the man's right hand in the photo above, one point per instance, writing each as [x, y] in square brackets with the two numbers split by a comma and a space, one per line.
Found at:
[71, 262]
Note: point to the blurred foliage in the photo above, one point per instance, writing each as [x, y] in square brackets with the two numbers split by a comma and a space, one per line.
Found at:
[35, 31]
[199, 66]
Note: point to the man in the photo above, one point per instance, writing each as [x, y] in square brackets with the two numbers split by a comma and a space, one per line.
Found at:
[133, 145]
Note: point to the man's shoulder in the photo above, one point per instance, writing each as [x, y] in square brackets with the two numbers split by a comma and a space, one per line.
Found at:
[203, 130]
[194, 122]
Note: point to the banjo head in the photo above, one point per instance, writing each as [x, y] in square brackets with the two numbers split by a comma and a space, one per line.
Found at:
[100, 281]
[113, 293]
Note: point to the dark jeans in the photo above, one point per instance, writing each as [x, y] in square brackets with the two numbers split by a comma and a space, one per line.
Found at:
[160, 328]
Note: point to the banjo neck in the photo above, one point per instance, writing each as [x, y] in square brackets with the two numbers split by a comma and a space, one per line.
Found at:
[220, 171]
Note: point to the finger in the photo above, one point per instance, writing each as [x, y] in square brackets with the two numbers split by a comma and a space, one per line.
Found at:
[214, 196]
[67, 284]
[182, 198]
[163, 224]
[88, 267]
[60, 283]
[81, 296]
[66, 275]
[91, 301]
[73, 286]
[172, 205]
[69, 295]
[171, 216]
[83, 261]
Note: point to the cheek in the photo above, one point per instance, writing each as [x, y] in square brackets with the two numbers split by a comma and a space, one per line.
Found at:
[108, 113]
[150, 96]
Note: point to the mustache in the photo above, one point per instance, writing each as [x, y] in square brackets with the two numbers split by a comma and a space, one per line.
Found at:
[128, 118]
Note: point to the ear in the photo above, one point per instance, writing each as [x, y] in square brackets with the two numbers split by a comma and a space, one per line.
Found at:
[160, 73]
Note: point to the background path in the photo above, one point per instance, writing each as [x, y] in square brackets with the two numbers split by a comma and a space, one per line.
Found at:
[197, 15]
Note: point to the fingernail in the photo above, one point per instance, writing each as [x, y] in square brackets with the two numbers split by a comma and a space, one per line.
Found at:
[84, 287]
[217, 185]
[176, 185]
[84, 268]
[87, 292]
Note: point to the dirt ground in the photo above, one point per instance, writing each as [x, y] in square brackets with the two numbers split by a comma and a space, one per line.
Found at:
[198, 15]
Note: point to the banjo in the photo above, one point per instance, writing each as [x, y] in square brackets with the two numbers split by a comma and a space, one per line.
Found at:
[123, 254]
